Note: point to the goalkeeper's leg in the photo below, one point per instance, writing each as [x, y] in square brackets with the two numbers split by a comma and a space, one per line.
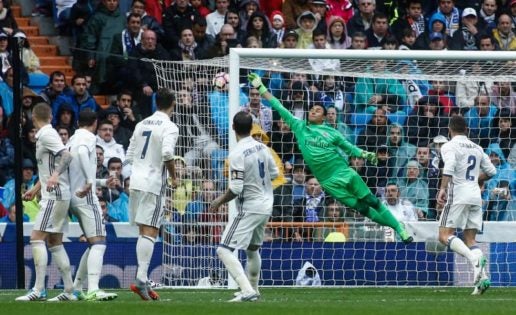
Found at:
[371, 207]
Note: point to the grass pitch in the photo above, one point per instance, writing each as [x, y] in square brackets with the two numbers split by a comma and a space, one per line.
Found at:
[282, 301]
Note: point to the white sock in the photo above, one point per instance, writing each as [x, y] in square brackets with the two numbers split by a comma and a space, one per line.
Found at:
[235, 269]
[458, 246]
[63, 264]
[82, 271]
[476, 251]
[95, 261]
[144, 250]
[40, 256]
[254, 265]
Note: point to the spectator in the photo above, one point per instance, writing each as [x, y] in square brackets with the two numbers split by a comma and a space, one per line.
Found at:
[29, 179]
[56, 87]
[123, 45]
[64, 134]
[185, 187]
[503, 131]
[504, 96]
[118, 210]
[451, 14]
[320, 8]
[114, 167]
[299, 176]
[246, 8]
[430, 173]
[306, 24]
[375, 132]
[29, 142]
[261, 114]
[108, 143]
[402, 209]
[290, 39]
[214, 221]
[503, 33]
[342, 127]
[488, 15]
[437, 41]
[434, 174]
[376, 176]
[223, 42]
[200, 6]
[81, 12]
[215, 20]
[283, 142]
[79, 99]
[29, 58]
[400, 150]
[203, 40]
[148, 21]
[426, 121]
[105, 215]
[7, 21]
[124, 105]
[331, 93]
[175, 18]
[333, 213]
[479, 119]
[362, 21]
[310, 208]
[11, 217]
[338, 37]
[408, 39]
[292, 9]
[102, 171]
[413, 20]
[6, 151]
[497, 193]
[436, 24]
[201, 202]
[319, 42]
[121, 134]
[340, 8]
[468, 36]
[413, 188]
[358, 40]
[97, 39]
[258, 27]
[278, 26]
[441, 89]
[233, 18]
[467, 90]
[187, 49]
[143, 79]
[378, 31]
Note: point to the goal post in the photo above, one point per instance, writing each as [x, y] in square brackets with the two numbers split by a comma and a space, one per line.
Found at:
[346, 250]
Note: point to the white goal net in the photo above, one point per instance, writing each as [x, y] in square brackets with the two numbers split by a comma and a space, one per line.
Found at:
[395, 103]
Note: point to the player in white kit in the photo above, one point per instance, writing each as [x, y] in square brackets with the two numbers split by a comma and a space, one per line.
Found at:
[151, 153]
[466, 167]
[53, 161]
[86, 207]
[252, 170]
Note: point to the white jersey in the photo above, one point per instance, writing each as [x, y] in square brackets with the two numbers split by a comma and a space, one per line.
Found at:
[252, 169]
[48, 145]
[463, 161]
[153, 142]
[403, 210]
[86, 139]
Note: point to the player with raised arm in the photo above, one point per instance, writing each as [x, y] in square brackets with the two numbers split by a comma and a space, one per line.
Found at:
[151, 153]
[252, 169]
[320, 146]
[466, 167]
[85, 205]
[53, 161]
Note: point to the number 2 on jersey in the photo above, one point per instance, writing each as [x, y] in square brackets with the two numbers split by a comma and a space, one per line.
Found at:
[147, 135]
[472, 162]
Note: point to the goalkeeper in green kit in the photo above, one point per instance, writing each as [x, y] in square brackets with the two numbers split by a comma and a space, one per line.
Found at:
[320, 145]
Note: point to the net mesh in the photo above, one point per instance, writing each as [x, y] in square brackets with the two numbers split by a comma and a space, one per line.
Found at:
[397, 108]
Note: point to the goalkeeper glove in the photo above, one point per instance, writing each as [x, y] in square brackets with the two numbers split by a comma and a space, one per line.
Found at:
[370, 156]
[256, 82]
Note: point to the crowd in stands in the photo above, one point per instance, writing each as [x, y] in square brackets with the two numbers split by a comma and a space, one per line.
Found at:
[403, 121]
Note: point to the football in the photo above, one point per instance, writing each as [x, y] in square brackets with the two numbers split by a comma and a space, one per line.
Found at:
[220, 80]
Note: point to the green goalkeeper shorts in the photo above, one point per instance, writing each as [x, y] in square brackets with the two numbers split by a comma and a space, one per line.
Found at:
[346, 184]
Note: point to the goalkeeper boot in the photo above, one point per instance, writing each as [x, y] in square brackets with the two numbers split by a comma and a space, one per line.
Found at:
[100, 295]
[405, 237]
[64, 297]
[482, 286]
[33, 295]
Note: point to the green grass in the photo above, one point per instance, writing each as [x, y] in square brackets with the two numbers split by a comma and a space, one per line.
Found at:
[299, 301]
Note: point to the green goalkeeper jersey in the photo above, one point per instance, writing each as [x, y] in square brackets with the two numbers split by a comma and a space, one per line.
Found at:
[319, 144]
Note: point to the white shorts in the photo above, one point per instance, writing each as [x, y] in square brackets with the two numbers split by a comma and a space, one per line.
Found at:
[461, 216]
[146, 208]
[243, 230]
[52, 216]
[90, 219]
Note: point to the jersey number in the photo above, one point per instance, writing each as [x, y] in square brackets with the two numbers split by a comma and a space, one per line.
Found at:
[472, 162]
[261, 170]
[147, 135]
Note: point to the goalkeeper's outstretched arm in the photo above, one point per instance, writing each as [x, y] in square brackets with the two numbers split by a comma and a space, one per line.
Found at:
[287, 116]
